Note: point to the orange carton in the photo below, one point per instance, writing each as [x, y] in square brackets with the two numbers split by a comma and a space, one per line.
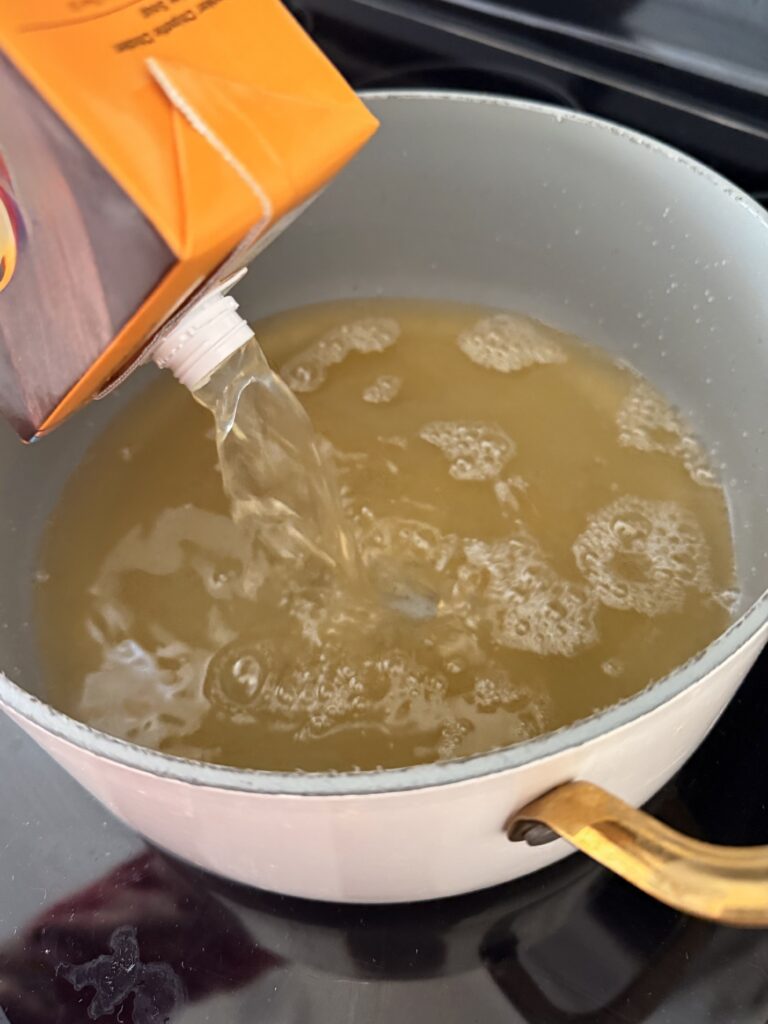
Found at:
[148, 148]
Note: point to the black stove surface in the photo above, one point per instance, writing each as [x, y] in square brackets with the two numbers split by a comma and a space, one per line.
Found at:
[95, 925]
[693, 73]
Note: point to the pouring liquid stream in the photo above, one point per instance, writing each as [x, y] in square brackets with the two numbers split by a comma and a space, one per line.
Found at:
[280, 483]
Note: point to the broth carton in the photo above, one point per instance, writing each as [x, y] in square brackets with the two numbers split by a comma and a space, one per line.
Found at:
[148, 150]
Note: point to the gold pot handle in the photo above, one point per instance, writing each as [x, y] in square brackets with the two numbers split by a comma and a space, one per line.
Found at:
[720, 883]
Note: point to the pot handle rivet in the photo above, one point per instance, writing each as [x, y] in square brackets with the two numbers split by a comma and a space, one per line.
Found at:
[533, 833]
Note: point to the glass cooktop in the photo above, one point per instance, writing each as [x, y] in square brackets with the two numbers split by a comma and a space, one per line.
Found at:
[693, 73]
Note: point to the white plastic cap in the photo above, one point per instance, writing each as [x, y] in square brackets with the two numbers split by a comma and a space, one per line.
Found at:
[203, 337]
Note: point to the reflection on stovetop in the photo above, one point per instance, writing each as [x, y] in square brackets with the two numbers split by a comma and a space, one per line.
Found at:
[94, 925]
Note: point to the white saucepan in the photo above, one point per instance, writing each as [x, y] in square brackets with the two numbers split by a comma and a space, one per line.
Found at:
[596, 230]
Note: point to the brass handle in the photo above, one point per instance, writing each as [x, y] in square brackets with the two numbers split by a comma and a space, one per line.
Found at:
[720, 883]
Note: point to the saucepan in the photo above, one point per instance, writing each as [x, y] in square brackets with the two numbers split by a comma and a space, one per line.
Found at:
[597, 231]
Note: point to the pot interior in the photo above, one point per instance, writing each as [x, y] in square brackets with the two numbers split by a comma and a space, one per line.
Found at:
[590, 228]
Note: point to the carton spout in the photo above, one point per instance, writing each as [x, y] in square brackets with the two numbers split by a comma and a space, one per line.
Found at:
[204, 337]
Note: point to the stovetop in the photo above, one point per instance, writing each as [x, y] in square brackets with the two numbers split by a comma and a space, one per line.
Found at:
[95, 925]
[692, 73]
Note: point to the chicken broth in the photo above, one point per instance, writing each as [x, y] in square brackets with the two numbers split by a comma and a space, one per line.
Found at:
[527, 532]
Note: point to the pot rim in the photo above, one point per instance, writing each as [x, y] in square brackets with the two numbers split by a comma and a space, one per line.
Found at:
[393, 780]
